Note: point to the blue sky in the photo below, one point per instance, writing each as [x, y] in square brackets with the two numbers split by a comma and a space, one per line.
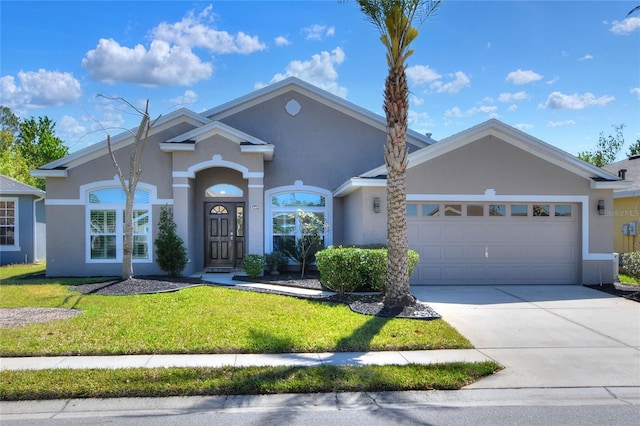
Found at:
[562, 71]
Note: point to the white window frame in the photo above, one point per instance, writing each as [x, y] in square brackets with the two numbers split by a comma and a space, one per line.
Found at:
[269, 210]
[119, 209]
[16, 225]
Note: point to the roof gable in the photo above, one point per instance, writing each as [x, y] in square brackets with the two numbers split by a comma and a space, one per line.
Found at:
[248, 143]
[58, 168]
[294, 84]
[9, 186]
[512, 136]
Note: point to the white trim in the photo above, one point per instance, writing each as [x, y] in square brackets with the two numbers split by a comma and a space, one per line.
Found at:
[490, 195]
[42, 173]
[16, 225]
[297, 187]
[255, 186]
[84, 189]
[35, 228]
[177, 147]
[626, 194]
[181, 185]
[119, 231]
[619, 184]
[217, 161]
[357, 182]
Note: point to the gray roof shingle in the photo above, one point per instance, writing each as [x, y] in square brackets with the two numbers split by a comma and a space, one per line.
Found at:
[14, 187]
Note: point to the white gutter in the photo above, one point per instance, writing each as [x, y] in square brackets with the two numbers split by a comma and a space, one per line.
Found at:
[35, 229]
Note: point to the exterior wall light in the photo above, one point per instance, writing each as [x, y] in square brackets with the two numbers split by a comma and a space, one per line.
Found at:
[601, 207]
[376, 205]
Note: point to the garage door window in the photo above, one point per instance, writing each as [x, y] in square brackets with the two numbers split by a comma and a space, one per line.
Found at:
[541, 209]
[453, 209]
[519, 210]
[431, 210]
[497, 209]
[563, 210]
[491, 210]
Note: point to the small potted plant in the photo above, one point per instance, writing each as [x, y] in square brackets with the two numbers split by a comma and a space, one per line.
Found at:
[275, 260]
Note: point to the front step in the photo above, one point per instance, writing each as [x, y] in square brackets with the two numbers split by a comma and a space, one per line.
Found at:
[219, 270]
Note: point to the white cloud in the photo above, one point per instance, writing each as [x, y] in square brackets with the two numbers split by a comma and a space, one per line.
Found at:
[554, 80]
[161, 65]
[512, 108]
[456, 112]
[636, 91]
[188, 98]
[420, 74]
[523, 77]
[169, 58]
[318, 32]
[416, 101]
[626, 26]
[192, 31]
[282, 41]
[511, 97]
[461, 80]
[561, 123]
[558, 100]
[419, 121]
[39, 89]
[524, 126]
[586, 57]
[320, 70]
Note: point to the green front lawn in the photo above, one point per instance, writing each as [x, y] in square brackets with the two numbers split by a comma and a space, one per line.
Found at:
[163, 382]
[212, 320]
[202, 320]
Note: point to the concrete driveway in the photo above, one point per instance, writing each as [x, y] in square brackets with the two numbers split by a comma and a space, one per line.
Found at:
[545, 335]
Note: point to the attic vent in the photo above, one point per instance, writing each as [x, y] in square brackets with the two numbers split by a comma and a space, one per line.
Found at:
[621, 173]
[293, 107]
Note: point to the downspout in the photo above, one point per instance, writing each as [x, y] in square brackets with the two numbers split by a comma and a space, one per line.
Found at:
[35, 228]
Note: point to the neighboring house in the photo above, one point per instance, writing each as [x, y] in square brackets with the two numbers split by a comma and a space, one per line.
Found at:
[22, 222]
[490, 205]
[626, 206]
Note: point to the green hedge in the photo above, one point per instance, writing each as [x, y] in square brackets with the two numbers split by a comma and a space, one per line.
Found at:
[346, 269]
[631, 264]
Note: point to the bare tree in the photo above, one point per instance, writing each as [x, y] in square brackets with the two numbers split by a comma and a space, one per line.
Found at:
[130, 182]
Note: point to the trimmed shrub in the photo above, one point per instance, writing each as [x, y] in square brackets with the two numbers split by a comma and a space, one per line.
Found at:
[253, 265]
[339, 269]
[631, 264]
[347, 269]
[276, 260]
[170, 252]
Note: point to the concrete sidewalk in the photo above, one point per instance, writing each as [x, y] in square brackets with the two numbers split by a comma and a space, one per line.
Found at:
[243, 360]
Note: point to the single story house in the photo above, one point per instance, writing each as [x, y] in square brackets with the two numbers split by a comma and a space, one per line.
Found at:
[489, 205]
[22, 222]
[626, 205]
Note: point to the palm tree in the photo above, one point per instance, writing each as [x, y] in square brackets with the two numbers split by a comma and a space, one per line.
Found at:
[394, 19]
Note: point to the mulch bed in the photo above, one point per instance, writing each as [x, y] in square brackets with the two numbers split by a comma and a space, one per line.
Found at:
[631, 292]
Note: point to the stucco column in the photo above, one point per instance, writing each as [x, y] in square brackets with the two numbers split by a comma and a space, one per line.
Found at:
[181, 212]
[255, 219]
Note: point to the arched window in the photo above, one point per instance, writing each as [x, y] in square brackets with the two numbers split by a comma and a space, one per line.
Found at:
[105, 221]
[281, 207]
[223, 190]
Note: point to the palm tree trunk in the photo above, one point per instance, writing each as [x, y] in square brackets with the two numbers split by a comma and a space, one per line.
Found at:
[398, 292]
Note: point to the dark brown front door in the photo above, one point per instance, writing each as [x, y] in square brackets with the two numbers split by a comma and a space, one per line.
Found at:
[224, 238]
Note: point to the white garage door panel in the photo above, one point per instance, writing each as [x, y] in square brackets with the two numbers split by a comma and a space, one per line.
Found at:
[496, 250]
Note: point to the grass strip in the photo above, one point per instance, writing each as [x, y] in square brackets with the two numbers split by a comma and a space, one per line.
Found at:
[164, 382]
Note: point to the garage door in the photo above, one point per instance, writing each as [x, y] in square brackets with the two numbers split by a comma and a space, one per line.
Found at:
[484, 243]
